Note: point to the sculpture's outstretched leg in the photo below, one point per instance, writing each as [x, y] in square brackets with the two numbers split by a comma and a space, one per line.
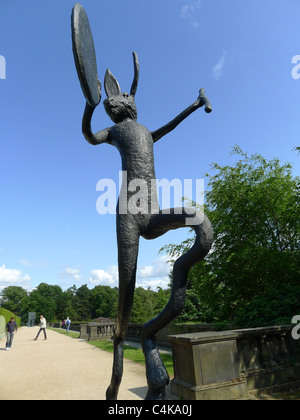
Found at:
[128, 243]
[157, 375]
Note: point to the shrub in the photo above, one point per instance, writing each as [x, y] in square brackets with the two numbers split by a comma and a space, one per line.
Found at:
[7, 315]
[276, 307]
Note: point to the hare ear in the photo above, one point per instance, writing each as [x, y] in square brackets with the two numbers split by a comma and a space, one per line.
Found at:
[111, 85]
[136, 74]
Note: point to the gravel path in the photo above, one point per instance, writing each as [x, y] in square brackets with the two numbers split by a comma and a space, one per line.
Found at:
[62, 368]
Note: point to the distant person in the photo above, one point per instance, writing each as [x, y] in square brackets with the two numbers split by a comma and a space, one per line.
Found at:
[68, 323]
[11, 328]
[43, 324]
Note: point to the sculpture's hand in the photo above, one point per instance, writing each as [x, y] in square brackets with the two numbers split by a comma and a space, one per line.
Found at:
[90, 108]
[99, 91]
[203, 101]
[94, 139]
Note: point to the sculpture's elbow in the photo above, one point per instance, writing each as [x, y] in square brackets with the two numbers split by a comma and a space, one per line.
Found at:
[89, 137]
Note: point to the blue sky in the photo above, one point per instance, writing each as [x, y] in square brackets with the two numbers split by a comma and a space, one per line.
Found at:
[240, 52]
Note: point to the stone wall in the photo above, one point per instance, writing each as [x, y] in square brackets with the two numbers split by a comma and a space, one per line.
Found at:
[94, 331]
[98, 331]
[134, 332]
[232, 364]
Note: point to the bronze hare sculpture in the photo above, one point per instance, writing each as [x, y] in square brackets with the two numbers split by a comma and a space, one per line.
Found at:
[135, 144]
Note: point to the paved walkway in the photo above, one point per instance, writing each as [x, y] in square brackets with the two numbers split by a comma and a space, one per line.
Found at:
[62, 368]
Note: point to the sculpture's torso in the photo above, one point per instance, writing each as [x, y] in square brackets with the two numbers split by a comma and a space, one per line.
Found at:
[135, 144]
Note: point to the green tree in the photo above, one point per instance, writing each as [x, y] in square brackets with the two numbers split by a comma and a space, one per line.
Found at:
[104, 302]
[43, 301]
[161, 299]
[12, 299]
[42, 305]
[254, 209]
[276, 307]
[65, 306]
[82, 303]
[143, 305]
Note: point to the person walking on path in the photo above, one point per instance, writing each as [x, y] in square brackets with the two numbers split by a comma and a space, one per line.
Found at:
[68, 323]
[11, 327]
[43, 324]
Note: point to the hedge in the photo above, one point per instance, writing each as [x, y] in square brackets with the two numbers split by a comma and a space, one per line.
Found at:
[7, 315]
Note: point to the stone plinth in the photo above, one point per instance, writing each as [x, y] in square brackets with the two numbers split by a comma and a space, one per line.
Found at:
[206, 366]
[232, 364]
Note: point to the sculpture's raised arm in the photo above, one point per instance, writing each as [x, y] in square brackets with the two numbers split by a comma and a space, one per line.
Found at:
[201, 101]
[86, 66]
[94, 139]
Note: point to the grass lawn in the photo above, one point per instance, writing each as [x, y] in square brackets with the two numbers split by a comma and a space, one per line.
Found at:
[131, 353]
[135, 354]
[72, 334]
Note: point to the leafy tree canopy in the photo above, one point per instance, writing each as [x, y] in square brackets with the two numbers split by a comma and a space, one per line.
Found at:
[254, 207]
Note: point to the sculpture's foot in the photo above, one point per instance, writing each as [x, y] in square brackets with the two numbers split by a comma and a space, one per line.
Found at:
[111, 393]
[157, 375]
[156, 394]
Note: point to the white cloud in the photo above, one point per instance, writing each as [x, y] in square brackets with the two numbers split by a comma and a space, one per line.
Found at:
[188, 12]
[35, 264]
[70, 273]
[218, 69]
[13, 277]
[105, 278]
[153, 276]
[26, 263]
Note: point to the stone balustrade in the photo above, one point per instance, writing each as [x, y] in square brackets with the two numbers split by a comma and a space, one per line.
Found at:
[94, 331]
[232, 364]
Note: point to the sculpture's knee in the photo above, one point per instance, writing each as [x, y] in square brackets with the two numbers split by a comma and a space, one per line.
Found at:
[204, 237]
[177, 302]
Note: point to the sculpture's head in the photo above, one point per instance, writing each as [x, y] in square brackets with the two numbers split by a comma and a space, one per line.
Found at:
[121, 106]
